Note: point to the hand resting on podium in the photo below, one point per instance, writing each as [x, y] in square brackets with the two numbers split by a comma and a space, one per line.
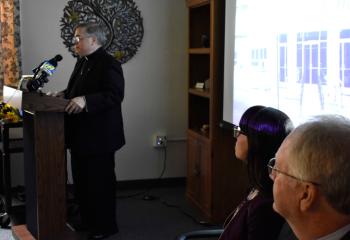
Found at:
[76, 105]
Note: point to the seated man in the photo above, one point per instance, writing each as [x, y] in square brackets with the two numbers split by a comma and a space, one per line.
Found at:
[311, 174]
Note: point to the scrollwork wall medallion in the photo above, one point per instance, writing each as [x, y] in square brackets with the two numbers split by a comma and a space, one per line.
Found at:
[121, 19]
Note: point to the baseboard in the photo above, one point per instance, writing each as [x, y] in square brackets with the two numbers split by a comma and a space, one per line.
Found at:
[153, 183]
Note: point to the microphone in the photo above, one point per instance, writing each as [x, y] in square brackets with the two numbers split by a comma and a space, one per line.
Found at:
[45, 69]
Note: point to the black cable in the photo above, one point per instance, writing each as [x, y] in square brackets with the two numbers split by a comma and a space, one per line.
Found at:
[131, 195]
[200, 222]
[147, 196]
[145, 192]
[164, 164]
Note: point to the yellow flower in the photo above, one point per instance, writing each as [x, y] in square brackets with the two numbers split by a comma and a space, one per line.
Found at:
[9, 113]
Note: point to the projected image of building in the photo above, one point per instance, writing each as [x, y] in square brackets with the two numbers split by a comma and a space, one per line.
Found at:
[294, 55]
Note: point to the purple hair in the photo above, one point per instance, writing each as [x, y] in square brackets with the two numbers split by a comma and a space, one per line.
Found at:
[265, 128]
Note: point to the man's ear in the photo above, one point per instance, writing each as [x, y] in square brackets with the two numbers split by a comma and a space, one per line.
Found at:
[94, 39]
[308, 196]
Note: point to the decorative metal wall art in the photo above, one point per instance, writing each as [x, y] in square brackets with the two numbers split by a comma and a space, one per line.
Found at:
[121, 19]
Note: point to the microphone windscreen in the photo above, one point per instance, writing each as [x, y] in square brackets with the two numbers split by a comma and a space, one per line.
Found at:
[53, 61]
[58, 57]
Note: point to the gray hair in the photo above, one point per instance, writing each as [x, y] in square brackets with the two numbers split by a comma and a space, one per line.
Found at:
[94, 29]
[321, 153]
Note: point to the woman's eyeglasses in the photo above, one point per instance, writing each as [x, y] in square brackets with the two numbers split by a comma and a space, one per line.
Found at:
[237, 131]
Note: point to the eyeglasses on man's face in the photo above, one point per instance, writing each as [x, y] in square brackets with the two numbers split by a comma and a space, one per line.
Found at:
[237, 131]
[77, 39]
[273, 172]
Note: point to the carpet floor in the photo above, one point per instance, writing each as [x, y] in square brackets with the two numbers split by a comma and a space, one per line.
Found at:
[158, 214]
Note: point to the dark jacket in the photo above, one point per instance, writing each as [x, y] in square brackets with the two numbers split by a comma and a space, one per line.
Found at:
[98, 77]
[346, 236]
[255, 220]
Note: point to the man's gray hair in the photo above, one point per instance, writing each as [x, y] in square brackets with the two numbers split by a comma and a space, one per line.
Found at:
[94, 29]
[321, 153]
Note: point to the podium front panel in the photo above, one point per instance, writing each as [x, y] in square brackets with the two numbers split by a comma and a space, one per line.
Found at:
[45, 173]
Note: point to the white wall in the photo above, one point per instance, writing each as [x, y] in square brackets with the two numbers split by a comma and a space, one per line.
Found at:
[155, 92]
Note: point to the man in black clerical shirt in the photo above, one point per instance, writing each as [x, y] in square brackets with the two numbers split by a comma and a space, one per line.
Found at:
[94, 129]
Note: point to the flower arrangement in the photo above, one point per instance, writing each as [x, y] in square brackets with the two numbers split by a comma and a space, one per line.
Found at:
[9, 113]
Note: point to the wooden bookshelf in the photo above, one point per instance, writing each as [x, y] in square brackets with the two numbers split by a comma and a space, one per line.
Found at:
[211, 168]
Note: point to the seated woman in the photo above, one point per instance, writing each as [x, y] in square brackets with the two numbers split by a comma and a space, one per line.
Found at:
[260, 133]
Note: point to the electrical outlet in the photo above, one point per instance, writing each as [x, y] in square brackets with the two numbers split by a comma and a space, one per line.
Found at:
[160, 141]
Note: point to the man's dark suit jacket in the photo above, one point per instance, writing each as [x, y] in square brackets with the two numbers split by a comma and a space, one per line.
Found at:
[287, 234]
[99, 78]
[346, 236]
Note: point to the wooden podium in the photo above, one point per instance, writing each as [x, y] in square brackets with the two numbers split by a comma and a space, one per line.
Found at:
[45, 166]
